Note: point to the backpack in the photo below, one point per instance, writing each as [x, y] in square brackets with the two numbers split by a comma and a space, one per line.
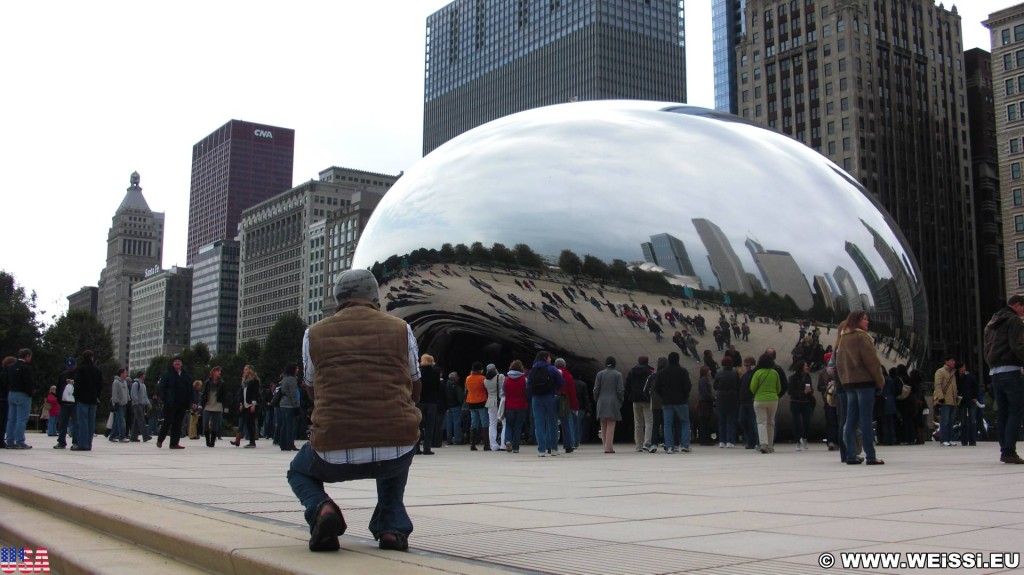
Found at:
[645, 391]
[541, 382]
[452, 393]
[831, 399]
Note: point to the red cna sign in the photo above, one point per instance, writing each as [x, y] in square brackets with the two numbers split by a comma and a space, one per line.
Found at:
[22, 560]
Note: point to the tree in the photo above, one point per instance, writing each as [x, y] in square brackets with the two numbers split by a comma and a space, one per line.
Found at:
[447, 253]
[570, 263]
[74, 332]
[526, 257]
[283, 346]
[18, 325]
[595, 268]
[479, 253]
[250, 353]
[462, 253]
[502, 254]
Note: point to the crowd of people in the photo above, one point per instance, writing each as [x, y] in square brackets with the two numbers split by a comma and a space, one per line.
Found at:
[403, 404]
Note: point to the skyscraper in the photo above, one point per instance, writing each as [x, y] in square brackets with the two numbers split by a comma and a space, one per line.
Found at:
[781, 273]
[135, 243]
[878, 86]
[724, 262]
[668, 252]
[215, 297]
[991, 277]
[1006, 28]
[236, 167]
[161, 310]
[727, 28]
[489, 58]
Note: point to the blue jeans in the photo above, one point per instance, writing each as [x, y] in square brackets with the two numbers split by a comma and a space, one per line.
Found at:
[946, 416]
[212, 421]
[545, 422]
[514, 421]
[51, 426]
[567, 424]
[727, 422]
[154, 420]
[673, 412]
[859, 406]
[18, 407]
[85, 421]
[1008, 389]
[453, 425]
[308, 473]
[577, 426]
[478, 419]
[286, 427]
[117, 429]
[841, 423]
[748, 423]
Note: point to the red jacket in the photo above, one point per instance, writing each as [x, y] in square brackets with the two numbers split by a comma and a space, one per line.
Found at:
[515, 391]
[568, 389]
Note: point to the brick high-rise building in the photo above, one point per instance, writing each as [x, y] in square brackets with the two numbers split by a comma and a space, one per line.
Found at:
[490, 58]
[236, 167]
[878, 86]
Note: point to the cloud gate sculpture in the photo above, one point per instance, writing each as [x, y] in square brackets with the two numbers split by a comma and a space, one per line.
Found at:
[547, 228]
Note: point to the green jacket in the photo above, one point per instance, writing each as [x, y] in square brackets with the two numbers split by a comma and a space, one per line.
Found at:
[765, 385]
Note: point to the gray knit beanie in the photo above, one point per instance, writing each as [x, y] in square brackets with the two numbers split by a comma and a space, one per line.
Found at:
[357, 284]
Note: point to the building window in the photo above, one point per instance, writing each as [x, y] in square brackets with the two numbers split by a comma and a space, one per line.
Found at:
[1018, 197]
[1020, 58]
[1015, 146]
[1018, 33]
[1011, 112]
[1015, 171]
[1018, 224]
[1010, 87]
[1020, 250]
[1007, 61]
[1006, 36]
[1020, 277]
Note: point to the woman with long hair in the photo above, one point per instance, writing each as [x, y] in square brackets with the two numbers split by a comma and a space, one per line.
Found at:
[860, 371]
[250, 397]
[800, 396]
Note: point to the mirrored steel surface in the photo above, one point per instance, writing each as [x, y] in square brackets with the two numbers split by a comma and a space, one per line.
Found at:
[723, 205]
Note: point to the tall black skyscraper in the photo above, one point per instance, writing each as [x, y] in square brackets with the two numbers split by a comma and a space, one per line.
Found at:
[727, 28]
[489, 58]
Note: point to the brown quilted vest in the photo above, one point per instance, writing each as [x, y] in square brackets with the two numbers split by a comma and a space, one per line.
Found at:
[362, 385]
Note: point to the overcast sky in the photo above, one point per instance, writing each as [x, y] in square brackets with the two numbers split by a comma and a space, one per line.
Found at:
[95, 91]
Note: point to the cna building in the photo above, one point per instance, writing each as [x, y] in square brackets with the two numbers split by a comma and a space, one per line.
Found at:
[236, 167]
[490, 58]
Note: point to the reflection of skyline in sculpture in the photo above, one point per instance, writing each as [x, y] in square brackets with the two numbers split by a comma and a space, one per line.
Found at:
[552, 179]
[781, 273]
[725, 264]
[822, 293]
[669, 252]
[878, 288]
[910, 297]
[848, 287]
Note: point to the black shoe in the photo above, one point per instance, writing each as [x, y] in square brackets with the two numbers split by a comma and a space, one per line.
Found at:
[394, 542]
[328, 527]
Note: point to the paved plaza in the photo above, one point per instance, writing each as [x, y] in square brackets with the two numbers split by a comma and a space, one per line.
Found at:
[133, 507]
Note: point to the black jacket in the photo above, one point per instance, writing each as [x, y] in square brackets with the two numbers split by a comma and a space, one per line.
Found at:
[1004, 339]
[208, 385]
[635, 380]
[796, 387]
[673, 385]
[175, 389]
[88, 383]
[62, 382]
[19, 378]
[431, 385]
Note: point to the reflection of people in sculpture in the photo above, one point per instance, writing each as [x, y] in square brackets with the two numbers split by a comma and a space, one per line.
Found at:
[549, 309]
